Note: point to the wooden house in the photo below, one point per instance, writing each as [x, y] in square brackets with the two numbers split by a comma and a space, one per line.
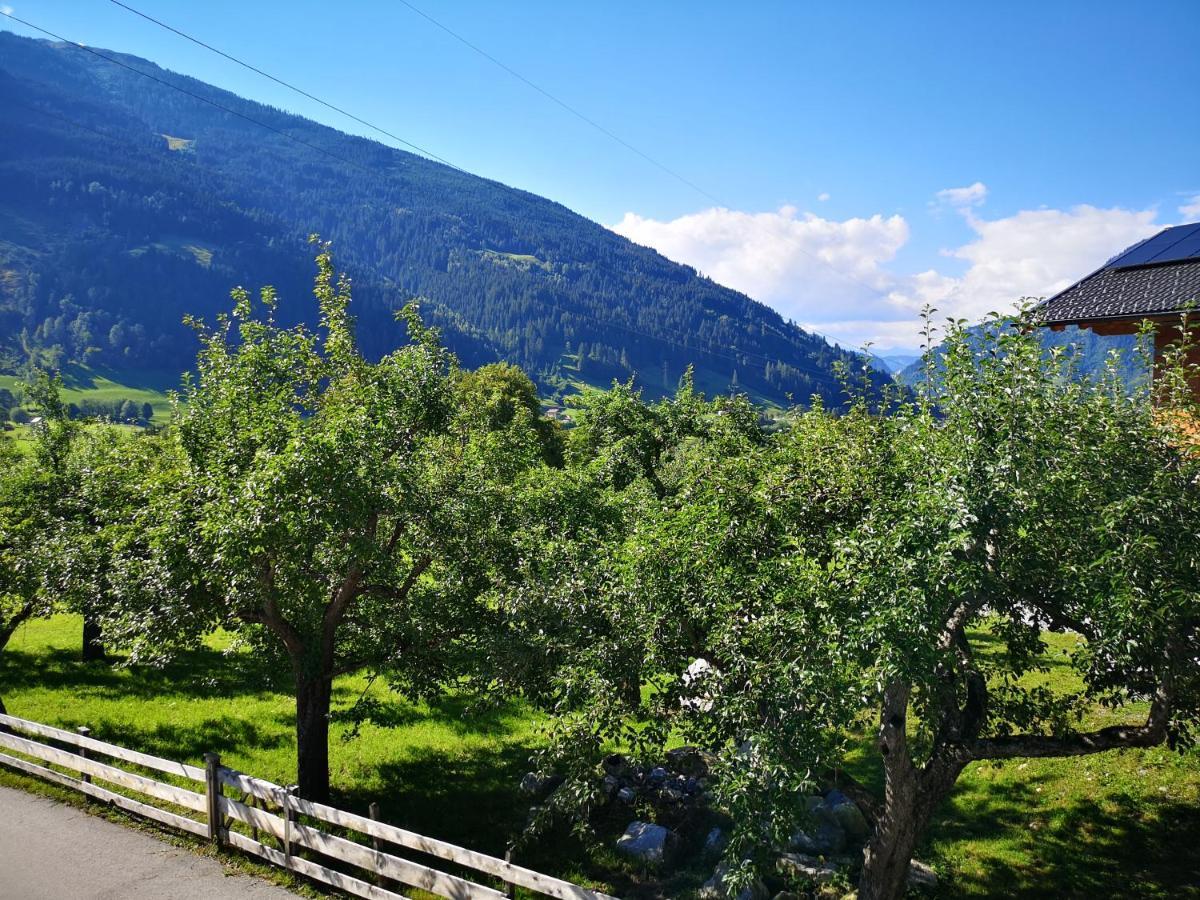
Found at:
[1155, 280]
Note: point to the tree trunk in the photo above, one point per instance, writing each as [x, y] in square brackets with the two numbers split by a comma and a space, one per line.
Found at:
[93, 640]
[911, 800]
[889, 852]
[312, 736]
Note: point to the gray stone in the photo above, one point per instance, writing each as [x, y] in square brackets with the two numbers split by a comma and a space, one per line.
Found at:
[823, 837]
[716, 888]
[921, 876]
[658, 775]
[615, 764]
[808, 868]
[611, 785]
[715, 843]
[691, 761]
[646, 843]
[627, 795]
[536, 786]
[847, 814]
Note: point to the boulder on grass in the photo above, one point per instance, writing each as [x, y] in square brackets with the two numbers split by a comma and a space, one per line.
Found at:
[806, 868]
[717, 888]
[847, 814]
[921, 876]
[647, 843]
[691, 761]
[539, 787]
[823, 837]
[715, 843]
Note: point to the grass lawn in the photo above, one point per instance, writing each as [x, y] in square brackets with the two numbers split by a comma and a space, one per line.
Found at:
[1120, 824]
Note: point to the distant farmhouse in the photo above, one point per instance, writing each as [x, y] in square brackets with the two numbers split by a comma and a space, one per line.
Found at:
[1155, 280]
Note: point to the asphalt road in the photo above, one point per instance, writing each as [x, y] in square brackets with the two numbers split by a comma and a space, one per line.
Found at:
[50, 851]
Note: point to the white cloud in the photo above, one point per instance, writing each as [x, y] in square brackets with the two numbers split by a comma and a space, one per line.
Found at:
[1190, 208]
[1035, 253]
[823, 196]
[963, 197]
[795, 263]
[7, 10]
[838, 278]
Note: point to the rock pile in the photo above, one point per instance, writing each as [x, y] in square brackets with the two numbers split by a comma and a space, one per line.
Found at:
[826, 844]
[673, 787]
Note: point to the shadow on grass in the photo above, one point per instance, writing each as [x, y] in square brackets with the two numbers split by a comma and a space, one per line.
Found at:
[201, 672]
[473, 799]
[1113, 846]
[460, 713]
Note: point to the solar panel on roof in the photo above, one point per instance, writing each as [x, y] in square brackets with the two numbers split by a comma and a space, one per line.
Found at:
[1172, 245]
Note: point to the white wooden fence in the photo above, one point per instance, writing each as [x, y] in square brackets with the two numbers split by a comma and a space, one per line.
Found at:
[217, 812]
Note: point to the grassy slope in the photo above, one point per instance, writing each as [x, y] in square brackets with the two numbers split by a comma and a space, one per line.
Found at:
[83, 383]
[1123, 824]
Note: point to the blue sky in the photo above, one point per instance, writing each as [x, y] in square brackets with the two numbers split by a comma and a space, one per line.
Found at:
[866, 157]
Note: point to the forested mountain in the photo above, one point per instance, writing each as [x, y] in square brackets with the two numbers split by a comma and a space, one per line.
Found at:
[125, 204]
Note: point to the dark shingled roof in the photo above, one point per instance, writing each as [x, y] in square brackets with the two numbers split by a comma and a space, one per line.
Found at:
[1127, 287]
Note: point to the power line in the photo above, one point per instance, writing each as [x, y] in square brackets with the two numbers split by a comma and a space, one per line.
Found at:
[193, 95]
[572, 110]
[746, 354]
[286, 84]
[624, 143]
[515, 74]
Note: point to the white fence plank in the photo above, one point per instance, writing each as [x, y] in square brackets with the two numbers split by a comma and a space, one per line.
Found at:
[393, 867]
[506, 871]
[385, 864]
[119, 800]
[355, 886]
[69, 737]
[156, 789]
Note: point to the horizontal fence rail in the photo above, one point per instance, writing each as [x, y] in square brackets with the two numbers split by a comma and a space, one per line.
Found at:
[267, 810]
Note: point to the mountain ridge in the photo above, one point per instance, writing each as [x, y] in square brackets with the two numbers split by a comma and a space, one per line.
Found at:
[125, 204]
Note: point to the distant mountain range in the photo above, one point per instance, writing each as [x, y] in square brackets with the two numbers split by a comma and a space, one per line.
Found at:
[1089, 350]
[892, 363]
[125, 204]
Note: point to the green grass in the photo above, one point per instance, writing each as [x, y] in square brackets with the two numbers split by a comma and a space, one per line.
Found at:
[105, 386]
[1117, 824]
[1124, 823]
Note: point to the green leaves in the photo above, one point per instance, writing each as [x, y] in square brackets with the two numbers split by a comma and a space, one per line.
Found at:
[922, 549]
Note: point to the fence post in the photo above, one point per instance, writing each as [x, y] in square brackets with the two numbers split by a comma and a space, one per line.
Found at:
[289, 816]
[212, 793]
[376, 843]
[250, 801]
[510, 890]
[84, 731]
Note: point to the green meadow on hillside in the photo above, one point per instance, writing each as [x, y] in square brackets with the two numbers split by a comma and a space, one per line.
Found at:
[102, 385]
[1115, 824]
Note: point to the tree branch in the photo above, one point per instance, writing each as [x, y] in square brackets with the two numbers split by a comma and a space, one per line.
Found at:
[1113, 737]
[273, 618]
[400, 593]
[15, 622]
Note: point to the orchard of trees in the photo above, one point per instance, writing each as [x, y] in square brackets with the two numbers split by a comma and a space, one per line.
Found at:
[889, 568]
